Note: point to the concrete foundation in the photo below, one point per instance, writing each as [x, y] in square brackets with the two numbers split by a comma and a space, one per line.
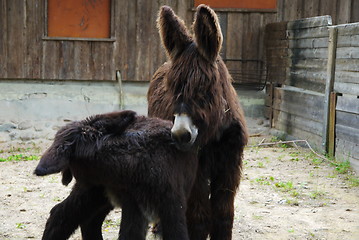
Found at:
[32, 110]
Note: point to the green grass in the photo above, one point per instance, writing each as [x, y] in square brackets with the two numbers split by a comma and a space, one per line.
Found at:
[284, 186]
[20, 157]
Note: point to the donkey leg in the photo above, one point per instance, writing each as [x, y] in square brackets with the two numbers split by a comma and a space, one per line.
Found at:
[79, 206]
[173, 218]
[133, 222]
[91, 229]
[199, 209]
[225, 178]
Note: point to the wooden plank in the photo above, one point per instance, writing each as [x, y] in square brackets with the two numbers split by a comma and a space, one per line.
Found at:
[276, 43]
[276, 26]
[354, 12]
[346, 148]
[348, 40]
[82, 58]
[311, 9]
[313, 139]
[312, 22]
[309, 43]
[157, 57]
[347, 119]
[3, 39]
[348, 64]
[15, 39]
[302, 103]
[348, 104]
[51, 59]
[279, 35]
[131, 40]
[343, 11]
[312, 75]
[277, 52]
[122, 44]
[294, 10]
[143, 26]
[33, 46]
[328, 8]
[280, 10]
[308, 33]
[306, 53]
[348, 29]
[306, 83]
[297, 121]
[67, 60]
[234, 36]
[310, 63]
[346, 76]
[348, 52]
[347, 133]
[223, 22]
[346, 88]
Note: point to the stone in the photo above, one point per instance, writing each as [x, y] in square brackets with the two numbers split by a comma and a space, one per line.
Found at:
[26, 136]
[24, 125]
[7, 127]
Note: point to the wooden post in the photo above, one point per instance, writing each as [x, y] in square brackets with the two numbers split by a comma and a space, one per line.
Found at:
[119, 80]
[332, 48]
[331, 129]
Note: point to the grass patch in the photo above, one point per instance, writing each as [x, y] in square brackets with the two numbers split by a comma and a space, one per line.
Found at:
[20, 157]
[284, 186]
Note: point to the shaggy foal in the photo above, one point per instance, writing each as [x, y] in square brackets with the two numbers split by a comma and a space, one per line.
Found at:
[124, 159]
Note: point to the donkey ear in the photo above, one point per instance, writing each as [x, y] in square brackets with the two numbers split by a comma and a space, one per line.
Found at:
[207, 32]
[173, 32]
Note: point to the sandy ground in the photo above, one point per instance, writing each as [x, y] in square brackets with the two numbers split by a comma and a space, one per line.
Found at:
[286, 193]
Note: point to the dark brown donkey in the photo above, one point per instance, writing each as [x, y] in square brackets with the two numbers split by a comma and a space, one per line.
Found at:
[120, 159]
[195, 90]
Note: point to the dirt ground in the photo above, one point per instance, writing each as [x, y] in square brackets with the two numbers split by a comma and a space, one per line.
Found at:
[286, 193]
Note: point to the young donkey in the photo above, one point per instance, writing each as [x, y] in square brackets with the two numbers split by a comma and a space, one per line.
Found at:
[127, 159]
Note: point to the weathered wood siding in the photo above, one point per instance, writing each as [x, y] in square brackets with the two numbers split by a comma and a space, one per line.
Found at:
[134, 47]
[308, 60]
[297, 62]
[347, 85]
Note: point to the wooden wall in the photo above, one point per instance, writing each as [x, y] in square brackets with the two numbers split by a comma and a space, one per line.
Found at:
[297, 54]
[341, 11]
[346, 85]
[309, 61]
[134, 48]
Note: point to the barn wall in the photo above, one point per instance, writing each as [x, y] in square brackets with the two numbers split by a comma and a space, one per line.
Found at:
[134, 48]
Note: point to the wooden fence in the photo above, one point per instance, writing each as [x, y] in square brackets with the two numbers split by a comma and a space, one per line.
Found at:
[313, 76]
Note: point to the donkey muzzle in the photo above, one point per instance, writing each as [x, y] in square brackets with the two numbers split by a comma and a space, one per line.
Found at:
[184, 132]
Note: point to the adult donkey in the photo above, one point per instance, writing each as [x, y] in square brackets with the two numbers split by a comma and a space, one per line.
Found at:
[195, 90]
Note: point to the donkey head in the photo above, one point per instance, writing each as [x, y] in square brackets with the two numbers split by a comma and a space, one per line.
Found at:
[80, 140]
[194, 78]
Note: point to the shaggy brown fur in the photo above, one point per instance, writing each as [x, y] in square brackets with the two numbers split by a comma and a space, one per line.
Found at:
[128, 160]
[196, 81]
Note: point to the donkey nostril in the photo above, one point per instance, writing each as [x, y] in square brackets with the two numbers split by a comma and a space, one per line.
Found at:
[184, 137]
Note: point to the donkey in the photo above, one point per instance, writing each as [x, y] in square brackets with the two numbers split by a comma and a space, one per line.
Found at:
[195, 89]
[120, 159]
